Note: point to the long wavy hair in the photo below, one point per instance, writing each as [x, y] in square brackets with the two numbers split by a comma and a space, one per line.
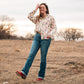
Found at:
[47, 12]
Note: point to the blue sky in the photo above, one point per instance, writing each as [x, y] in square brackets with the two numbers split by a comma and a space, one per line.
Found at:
[67, 13]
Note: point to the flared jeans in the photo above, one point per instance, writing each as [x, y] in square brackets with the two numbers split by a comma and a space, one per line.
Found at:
[37, 43]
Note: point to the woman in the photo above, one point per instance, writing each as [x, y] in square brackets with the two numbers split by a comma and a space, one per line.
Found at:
[45, 28]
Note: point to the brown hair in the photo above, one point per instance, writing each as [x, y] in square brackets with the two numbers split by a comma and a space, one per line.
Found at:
[47, 12]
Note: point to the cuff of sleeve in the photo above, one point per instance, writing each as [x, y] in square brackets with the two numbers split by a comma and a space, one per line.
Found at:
[34, 10]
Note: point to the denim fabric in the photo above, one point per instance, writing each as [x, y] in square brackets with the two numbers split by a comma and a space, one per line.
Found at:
[37, 43]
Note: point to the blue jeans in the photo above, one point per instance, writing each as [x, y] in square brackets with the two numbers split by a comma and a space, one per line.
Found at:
[37, 43]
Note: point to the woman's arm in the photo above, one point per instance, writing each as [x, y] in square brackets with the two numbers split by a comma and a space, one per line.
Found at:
[31, 15]
[53, 28]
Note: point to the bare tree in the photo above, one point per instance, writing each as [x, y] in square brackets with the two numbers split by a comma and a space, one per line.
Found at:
[6, 27]
[72, 34]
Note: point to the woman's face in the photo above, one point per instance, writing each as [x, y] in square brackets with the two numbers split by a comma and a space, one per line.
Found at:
[42, 9]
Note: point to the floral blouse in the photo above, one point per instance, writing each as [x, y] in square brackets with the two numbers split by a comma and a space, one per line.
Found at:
[45, 26]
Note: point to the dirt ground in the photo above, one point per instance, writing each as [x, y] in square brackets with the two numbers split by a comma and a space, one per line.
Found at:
[65, 62]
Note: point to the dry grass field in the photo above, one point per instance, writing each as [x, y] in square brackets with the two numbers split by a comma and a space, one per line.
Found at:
[65, 62]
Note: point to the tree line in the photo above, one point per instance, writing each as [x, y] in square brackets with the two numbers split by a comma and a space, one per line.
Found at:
[72, 34]
[7, 28]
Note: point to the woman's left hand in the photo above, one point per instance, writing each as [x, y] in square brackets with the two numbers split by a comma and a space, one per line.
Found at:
[48, 36]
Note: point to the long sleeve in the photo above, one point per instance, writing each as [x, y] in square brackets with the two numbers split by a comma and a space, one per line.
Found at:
[32, 17]
[53, 28]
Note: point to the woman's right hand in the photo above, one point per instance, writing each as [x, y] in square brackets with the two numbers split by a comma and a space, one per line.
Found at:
[36, 30]
[37, 6]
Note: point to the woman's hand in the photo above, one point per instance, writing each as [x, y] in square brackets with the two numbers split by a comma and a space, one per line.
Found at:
[36, 30]
[37, 6]
[48, 36]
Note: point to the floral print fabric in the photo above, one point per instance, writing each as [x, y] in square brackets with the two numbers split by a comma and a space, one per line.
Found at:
[46, 26]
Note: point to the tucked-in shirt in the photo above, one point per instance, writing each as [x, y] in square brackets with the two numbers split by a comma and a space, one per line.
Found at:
[45, 26]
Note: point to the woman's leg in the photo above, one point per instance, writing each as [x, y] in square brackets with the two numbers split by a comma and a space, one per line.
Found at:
[34, 48]
[44, 49]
